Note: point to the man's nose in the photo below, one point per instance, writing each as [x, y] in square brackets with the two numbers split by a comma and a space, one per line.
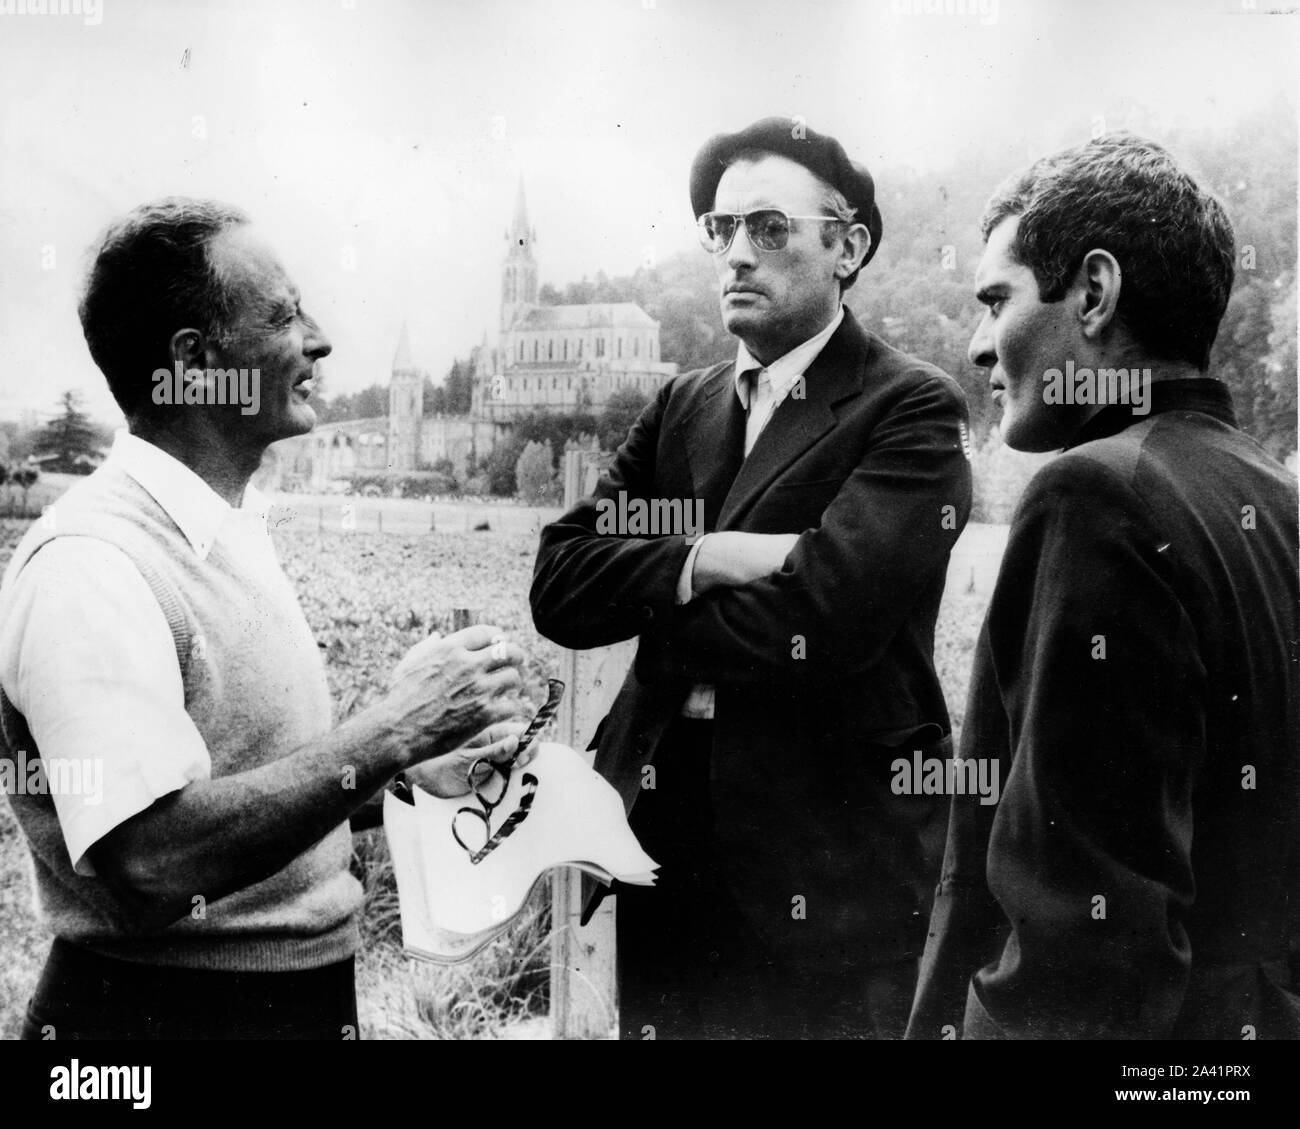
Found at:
[314, 343]
[741, 252]
[980, 351]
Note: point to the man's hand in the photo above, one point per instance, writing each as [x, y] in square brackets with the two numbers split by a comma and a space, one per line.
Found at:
[218, 836]
[446, 691]
[730, 559]
[449, 776]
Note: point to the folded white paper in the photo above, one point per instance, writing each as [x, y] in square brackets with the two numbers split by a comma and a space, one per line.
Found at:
[451, 907]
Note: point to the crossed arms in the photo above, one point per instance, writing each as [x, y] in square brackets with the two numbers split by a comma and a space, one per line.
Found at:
[843, 584]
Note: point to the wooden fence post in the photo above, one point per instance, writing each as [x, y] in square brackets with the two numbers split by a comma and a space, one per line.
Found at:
[584, 1000]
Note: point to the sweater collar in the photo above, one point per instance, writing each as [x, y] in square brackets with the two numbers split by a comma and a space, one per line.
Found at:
[198, 511]
[1196, 394]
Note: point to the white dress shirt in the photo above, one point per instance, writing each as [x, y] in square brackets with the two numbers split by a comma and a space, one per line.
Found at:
[772, 386]
[87, 657]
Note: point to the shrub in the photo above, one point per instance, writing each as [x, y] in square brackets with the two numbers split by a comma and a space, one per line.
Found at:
[400, 484]
[534, 474]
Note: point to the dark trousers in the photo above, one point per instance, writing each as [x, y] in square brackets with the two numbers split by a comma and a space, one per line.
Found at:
[82, 995]
[689, 964]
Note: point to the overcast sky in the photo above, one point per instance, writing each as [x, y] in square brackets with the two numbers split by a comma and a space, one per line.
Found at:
[380, 141]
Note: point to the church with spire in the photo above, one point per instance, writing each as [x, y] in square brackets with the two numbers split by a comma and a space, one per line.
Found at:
[559, 359]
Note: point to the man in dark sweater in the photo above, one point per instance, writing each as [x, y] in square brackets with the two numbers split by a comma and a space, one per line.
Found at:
[1135, 679]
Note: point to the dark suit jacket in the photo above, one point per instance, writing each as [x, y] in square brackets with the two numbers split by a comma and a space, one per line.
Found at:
[814, 666]
[1140, 876]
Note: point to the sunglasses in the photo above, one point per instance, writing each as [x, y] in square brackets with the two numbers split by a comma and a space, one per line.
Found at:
[471, 827]
[768, 228]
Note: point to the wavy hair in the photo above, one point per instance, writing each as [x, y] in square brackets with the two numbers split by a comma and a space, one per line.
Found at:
[1126, 195]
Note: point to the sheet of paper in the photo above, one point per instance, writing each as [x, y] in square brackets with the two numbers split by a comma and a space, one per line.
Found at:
[575, 818]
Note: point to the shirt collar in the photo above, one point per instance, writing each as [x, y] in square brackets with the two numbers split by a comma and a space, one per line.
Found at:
[1193, 394]
[783, 371]
[198, 510]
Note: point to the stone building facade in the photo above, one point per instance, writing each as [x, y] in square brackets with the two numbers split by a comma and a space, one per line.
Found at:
[560, 359]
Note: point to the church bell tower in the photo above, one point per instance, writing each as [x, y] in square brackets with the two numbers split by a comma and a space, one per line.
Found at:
[519, 272]
[405, 408]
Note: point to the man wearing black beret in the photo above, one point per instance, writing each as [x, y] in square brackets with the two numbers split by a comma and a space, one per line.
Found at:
[785, 657]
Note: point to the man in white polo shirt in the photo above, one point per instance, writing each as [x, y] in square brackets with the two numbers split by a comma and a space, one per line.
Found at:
[148, 632]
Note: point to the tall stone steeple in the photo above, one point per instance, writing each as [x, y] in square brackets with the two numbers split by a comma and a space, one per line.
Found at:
[402, 358]
[405, 407]
[519, 272]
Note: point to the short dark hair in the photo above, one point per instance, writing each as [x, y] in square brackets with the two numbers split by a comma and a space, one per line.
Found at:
[151, 276]
[1126, 195]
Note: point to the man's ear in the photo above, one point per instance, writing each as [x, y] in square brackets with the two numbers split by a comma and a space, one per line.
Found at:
[1098, 285]
[189, 347]
[853, 249]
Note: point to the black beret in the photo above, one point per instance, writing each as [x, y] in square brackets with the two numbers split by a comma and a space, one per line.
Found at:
[788, 137]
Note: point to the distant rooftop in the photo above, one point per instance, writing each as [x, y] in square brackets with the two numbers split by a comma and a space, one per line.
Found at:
[607, 315]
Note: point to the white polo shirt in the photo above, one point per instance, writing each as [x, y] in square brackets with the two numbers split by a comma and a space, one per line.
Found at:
[87, 658]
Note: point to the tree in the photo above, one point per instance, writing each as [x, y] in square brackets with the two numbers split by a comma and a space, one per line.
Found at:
[445, 467]
[1237, 358]
[1280, 368]
[621, 411]
[455, 396]
[535, 473]
[499, 467]
[553, 429]
[16, 441]
[369, 403]
[71, 437]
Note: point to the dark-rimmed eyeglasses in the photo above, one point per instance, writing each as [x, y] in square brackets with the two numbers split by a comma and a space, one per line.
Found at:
[768, 228]
[471, 826]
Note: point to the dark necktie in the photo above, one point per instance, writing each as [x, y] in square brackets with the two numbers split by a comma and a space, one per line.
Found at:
[760, 404]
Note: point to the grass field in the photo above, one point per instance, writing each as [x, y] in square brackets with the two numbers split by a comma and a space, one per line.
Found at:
[369, 596]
